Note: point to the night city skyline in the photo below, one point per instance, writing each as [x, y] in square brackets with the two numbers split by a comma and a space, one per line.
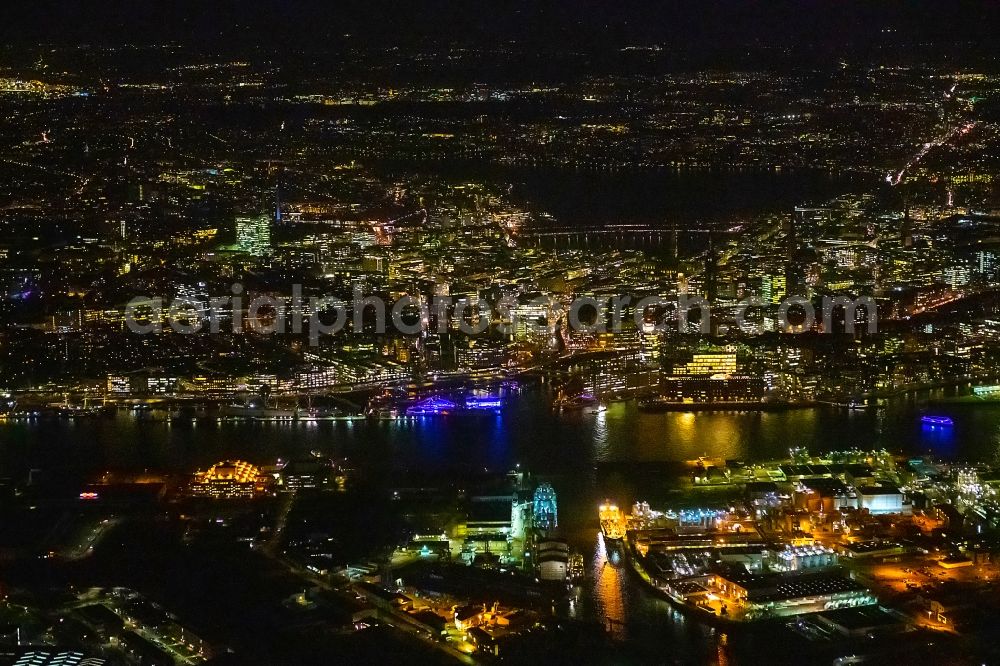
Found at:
[369, 332]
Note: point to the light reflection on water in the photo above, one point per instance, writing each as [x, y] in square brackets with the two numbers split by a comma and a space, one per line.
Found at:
[614, 595]
[608, 588]
[622, 453]
[528, 431]
[600, 432]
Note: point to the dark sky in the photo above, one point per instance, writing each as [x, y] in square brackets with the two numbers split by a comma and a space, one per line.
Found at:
[580, 24]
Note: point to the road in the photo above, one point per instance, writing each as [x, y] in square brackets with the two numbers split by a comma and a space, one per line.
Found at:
[392, 618]
[895, 179]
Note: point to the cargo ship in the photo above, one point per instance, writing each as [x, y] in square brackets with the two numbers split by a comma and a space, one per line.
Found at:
[667, 405]
[612, 522]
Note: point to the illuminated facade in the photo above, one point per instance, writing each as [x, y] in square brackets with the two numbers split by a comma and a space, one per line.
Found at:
[479, 354]
[714, 363]
[308, 474]
[253, 235]
[34, 657]
[544, 509]
[119, 384]
[773, 288]
[231, 479]
[707, 389]
[882, 499]
[483, 403]
[531, 320]
[520, 517]
[794, 558]
[783, 594]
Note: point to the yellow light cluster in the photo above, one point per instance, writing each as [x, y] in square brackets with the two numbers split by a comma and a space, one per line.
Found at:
[238, 471]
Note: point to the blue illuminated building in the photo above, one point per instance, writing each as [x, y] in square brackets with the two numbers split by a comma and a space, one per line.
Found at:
[544, 508]
[487, 402]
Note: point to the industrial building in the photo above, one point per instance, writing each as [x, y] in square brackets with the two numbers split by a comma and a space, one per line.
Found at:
[779, 594]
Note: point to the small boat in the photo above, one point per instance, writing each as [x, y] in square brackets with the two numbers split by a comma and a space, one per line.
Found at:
[937, 421]
[577, 401]
[600, 409]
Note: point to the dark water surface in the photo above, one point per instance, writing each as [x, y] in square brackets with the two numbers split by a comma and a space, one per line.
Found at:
[623, 454]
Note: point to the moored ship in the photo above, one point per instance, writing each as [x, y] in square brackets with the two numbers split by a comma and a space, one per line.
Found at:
[612, 521]
[259, 413]
[662, 404]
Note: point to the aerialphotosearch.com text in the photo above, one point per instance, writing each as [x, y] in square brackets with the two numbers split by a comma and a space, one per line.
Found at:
[320, 316]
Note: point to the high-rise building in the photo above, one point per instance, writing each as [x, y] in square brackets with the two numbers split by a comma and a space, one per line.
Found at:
[773, 288]
[711, 363]
[956, 276]
[253, 235]
[986, 263]
[531, 319]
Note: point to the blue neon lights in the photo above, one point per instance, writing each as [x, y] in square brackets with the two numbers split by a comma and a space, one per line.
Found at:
[437, 405]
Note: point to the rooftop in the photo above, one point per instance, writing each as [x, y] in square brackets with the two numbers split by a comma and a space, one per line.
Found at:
[782, 586]
[884, 489]
[861, 617]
